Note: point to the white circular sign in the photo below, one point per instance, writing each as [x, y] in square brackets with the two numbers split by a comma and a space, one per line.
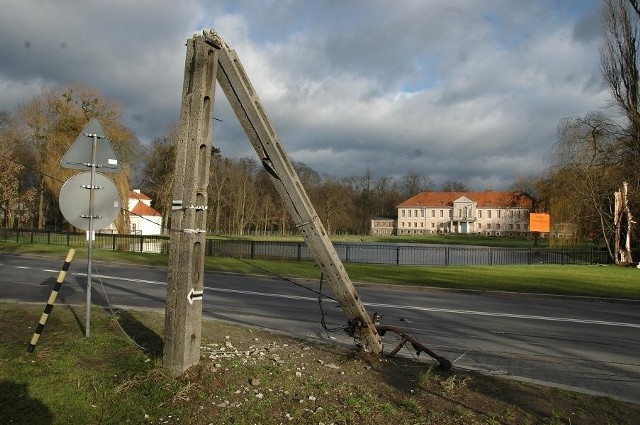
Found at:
[74, 201]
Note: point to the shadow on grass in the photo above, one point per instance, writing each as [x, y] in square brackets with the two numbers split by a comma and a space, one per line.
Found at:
[19, 408]
[146, 338]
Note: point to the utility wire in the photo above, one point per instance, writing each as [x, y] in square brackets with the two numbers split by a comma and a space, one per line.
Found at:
[279, 276]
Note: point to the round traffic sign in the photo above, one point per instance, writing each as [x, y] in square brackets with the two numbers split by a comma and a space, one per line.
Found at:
[75, 196]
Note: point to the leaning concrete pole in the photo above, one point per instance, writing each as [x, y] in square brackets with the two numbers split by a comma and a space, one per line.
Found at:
[247, 106]
[183, 319]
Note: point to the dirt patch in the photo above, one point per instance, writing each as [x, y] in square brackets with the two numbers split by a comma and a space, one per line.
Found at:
[251, 376]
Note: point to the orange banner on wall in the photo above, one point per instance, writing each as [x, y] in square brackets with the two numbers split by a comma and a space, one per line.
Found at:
[539, 222]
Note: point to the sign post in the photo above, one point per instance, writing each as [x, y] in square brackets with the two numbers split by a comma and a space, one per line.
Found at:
[83, 155]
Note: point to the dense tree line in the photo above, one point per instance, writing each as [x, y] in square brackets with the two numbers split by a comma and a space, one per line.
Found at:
[242, 199]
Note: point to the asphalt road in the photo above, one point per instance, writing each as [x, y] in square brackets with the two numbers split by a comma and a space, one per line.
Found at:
[588, 345]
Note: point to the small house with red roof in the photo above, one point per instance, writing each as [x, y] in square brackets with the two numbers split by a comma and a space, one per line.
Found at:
[143, 218]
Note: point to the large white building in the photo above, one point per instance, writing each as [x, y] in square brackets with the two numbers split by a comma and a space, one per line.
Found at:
[490, 213]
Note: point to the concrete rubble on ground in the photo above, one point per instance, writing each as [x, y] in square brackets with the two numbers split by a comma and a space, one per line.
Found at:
[226, 355]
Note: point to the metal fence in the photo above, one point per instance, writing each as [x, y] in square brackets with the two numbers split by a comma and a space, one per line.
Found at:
[370, 253]
[113, 242]
[411, 254]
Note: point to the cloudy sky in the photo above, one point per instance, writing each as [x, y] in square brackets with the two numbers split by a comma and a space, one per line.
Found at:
[465, 90]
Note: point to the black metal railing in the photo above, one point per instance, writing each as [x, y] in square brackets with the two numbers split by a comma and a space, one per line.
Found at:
[370, 253]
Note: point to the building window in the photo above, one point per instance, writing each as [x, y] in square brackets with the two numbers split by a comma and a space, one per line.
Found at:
[403, 213]
[499, 213]
[421, 213]
[441, 213]
[433, 225]
[416, 212]
[488, 213]
[498, 226]
[433, 213]
[479, 213]
[479, 225]
[488, 225]
[409, 213]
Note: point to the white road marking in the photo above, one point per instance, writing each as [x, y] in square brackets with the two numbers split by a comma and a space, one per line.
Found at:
[393, 306]
[510, 315]
[445, 310]
[126, 279]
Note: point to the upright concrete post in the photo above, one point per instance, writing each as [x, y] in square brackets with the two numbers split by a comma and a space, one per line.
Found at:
[183, 319]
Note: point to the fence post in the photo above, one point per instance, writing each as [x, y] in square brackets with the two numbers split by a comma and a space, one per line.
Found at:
[347, 253]
[397, 255]
[299, 254]
[252, 255]
[141, 243]
[446, 255]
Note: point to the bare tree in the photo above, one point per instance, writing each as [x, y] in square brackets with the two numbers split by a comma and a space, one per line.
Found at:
[583, 175]
[620, 69]
[413, 183]
[336, 206]
[453, 186]
[158, 172]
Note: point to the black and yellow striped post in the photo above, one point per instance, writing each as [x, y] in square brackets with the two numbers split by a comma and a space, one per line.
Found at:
[52, 299]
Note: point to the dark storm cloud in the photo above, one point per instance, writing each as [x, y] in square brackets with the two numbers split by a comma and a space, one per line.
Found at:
[458, 90]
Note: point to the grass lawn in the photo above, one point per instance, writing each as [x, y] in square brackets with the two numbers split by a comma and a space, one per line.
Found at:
[248, 376]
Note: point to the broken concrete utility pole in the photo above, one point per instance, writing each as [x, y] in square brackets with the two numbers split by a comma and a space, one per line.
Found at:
[209, 57]
[623, 221]
[252, 116]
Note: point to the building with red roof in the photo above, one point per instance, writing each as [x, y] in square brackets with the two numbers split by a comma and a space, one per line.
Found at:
[491, 213]
[143, 218]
